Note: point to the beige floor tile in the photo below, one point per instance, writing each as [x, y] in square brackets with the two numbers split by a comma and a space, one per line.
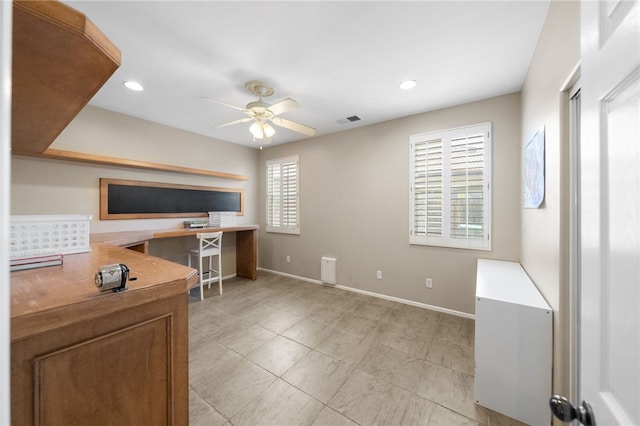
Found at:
[392, 365]
[329, 417]
[370, 401]
[288, 301]
[354, 324]
[345, 347]
[279, 404]
[455, 319]
[412, 318]
[201, 413]
[414, 342]
[246, 339]
[210, 319]
[302, 306]
[278, 354]
[451, 355]
[497, 419]
[234, 387]
[318, 375]
[455, 333]
[307, 332]
[208, 361]
[347, 302]
[450, 388]
[256, 312]
[279, 321]
[371, 310]
[326, 314]
[236, 304]
[444, 417]
[418, 412]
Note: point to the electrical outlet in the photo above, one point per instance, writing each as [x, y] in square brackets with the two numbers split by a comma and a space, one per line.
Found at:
[379, 275]
[288, 259]
[429, 283]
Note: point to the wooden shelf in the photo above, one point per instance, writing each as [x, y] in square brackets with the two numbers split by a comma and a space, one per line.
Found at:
[60, 60]
[137, 164]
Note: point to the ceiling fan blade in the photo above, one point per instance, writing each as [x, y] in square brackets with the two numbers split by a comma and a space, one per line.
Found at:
[283, 106]
[296, 127]
[242, 120]
[224, 103]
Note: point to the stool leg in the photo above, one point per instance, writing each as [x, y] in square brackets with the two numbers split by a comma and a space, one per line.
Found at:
[201, 278]
[220, 272]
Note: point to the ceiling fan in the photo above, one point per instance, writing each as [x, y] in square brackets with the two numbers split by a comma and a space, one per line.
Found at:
[261, 113]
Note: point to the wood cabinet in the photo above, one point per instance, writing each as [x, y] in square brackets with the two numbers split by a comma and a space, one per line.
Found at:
[79, 356]
[60, 60]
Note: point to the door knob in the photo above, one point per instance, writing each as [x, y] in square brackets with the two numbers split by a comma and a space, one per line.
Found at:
[566, 412]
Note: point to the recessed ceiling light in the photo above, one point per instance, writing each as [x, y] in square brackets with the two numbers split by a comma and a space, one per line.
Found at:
[133, 85]
[408, 84]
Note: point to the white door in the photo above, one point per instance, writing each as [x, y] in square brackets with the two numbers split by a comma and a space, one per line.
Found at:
[609, 357]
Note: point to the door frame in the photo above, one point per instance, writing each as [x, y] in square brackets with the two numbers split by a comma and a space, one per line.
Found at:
[569, 90]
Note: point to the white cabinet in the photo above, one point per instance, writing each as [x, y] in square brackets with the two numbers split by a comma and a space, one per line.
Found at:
[513, 351]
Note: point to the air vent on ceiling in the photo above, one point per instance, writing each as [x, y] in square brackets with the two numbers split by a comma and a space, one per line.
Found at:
[349, 119]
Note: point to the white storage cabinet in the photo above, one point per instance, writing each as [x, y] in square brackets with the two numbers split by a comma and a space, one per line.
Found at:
[513, 351]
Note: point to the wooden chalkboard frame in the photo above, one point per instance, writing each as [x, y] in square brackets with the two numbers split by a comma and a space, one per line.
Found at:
[104, 199]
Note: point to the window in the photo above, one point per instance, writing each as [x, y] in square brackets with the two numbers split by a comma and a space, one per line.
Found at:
[283, 206]
[450, 199]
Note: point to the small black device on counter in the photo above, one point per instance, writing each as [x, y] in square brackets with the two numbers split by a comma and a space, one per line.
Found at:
[112, 277]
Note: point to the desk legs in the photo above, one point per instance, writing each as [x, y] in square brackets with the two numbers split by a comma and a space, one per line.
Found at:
[247, 254]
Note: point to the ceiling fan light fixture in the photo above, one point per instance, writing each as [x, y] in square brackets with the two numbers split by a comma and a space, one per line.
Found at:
[268, 130]
[261, 130]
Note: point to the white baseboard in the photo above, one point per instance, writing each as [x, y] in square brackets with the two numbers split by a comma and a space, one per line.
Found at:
[378, 295]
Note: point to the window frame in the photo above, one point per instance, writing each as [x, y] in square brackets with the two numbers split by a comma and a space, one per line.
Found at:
[446, 239]
[282, 228]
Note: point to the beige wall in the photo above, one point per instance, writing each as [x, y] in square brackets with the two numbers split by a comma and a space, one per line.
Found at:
[545, 233]
[44, 186]
[354, 196]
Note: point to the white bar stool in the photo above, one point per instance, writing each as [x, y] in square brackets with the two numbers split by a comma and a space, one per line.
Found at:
[210, 245]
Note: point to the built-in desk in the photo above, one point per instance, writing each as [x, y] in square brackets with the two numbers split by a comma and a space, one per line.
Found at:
[246, 243]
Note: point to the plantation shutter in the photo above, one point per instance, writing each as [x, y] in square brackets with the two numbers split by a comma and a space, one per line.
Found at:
[290, 195]
[467, 187]
[282, 195]
[427, 187]
[449, 182]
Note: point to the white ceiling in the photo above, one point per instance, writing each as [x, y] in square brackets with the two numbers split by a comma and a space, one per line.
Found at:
[335, 58]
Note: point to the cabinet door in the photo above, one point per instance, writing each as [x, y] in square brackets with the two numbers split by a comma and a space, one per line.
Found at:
[129, 368]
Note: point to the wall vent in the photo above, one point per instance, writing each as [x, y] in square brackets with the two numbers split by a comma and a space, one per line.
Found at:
[328, 270]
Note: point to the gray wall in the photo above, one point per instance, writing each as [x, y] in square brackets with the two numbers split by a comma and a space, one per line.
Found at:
[354, 196]
[545, 231]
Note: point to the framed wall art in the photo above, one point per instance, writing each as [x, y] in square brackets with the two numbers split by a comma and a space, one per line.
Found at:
[533, 171]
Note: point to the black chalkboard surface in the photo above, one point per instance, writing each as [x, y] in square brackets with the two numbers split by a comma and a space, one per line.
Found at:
[133, 199]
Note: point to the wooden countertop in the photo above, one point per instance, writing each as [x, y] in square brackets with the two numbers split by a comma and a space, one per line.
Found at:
[46, 298]
[125, 238]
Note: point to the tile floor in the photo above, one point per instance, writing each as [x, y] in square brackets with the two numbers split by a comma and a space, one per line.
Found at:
[279, 351]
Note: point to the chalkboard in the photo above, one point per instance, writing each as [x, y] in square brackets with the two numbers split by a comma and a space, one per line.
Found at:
[124, 199]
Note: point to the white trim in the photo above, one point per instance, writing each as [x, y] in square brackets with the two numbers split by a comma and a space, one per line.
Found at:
[572, 79]
[378, 295]
[6, 21]
[284, 274]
